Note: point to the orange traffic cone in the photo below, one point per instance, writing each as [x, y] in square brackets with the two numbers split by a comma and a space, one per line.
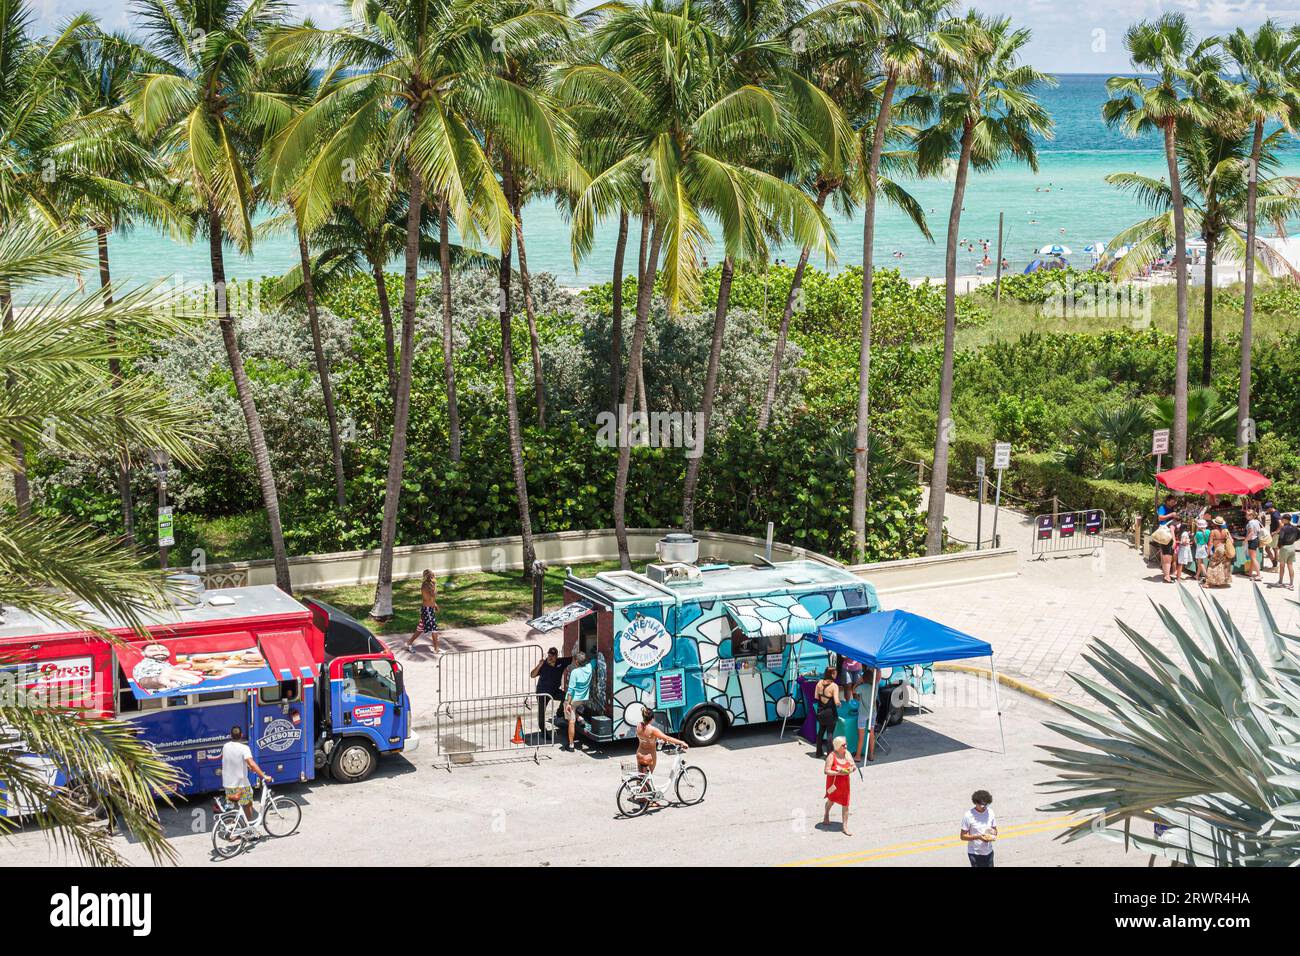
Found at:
[518, 738]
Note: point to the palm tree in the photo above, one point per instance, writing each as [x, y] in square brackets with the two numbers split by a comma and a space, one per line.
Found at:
[1169, 103]
[204, 104]
[1203, 742]
[1215, 167]
[984, 112]
[414, 84]
[900, 32]
[1268, 63]
[55, 353]
[1208, 418]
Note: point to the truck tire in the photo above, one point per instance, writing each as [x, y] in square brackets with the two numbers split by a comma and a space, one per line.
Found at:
[353, 760]
[704, 727]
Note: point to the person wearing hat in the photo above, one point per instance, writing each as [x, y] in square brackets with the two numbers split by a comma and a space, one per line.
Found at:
[1201, 550]
[1218, 573]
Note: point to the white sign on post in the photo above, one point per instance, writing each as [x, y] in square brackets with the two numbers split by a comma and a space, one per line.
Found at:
[1160, 441]
[979, 466]
[1002, 455]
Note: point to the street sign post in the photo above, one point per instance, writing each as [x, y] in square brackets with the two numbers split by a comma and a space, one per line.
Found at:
[166, 528]
[979, 509]
[1159, 448]
[1001, 462]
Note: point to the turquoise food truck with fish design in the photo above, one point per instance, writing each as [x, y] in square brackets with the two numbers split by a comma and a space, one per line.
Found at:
[709, 646]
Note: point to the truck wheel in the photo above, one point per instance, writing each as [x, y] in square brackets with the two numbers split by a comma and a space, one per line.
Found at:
[353, 760]
[703, 727]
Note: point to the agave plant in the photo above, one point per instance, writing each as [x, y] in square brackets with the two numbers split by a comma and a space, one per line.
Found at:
[1208, 746]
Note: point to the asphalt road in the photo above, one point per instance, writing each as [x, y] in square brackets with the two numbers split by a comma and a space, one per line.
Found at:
[762, 807]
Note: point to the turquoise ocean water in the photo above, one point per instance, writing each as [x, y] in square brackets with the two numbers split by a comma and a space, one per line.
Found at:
[1067, 201]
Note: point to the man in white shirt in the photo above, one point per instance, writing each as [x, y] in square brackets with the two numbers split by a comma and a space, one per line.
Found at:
[979, 828]
[236, 761]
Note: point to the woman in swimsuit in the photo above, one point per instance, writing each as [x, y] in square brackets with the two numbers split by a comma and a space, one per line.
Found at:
[827, 697]
[648, 737]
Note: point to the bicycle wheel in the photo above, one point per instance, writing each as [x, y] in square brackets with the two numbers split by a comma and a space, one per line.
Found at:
[691, 784]
[634, 796]
[226, 838]
[282, 816]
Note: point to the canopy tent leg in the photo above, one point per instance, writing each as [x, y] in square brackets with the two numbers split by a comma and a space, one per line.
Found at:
[871, 714]
[997, 703]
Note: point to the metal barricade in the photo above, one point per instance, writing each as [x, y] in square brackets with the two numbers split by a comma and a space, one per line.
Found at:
[1064, 532]
[465, 729]
[489, 673]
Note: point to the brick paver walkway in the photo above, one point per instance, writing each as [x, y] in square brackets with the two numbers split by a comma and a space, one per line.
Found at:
[1041, 622]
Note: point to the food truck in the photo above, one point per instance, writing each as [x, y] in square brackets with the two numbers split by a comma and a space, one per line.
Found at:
[709, 646]
[311, 687]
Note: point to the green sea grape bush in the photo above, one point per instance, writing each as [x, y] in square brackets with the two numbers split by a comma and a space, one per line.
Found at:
[1046, 284]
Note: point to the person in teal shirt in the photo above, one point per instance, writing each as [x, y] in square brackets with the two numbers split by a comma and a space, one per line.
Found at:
[1202, 551]
[577, 690]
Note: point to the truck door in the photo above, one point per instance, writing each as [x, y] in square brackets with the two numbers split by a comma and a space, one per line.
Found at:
[281, 730]
[369, 697]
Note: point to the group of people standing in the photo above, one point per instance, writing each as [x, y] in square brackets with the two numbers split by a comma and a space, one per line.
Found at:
[1207, 544]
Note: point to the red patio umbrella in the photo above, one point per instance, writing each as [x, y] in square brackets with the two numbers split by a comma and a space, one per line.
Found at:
[1214, 478]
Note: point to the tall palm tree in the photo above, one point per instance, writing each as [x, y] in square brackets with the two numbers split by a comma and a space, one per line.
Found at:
[1166, 99]
[984, 112]
[688, 121]
[413, 84]
[204, 104]
[55, 353]
[901, 32]
[1269, 92]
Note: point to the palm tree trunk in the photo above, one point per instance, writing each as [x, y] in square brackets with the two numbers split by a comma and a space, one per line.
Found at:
[383, 606]
[525, 283]
[710, 388]
[943, 432]
[1248, 305]
[323, 372]
[644, 294]
[512, 405]
[616, 334]
[22, 488]
[641, 398]
[244, 394]
[115, 370]
[386, 312]
[448, 339]
[1207, 310]
[783, 333]
[862, 435]
[1180, 274]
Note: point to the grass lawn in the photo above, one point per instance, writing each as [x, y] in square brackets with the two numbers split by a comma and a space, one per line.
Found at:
[464, 600]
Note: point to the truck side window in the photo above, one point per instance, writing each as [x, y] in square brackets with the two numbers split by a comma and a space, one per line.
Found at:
[373, 677]
[283, 692]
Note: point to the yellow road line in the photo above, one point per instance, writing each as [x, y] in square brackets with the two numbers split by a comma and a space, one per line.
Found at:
[936, 843]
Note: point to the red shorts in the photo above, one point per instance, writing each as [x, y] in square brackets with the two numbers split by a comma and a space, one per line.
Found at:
[837, 789]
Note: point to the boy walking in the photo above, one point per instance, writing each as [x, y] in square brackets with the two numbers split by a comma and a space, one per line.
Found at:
[979, 828]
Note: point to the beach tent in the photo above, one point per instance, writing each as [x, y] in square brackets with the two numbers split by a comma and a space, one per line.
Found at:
[900, 639]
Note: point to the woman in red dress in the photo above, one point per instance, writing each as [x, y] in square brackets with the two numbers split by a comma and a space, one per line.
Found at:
[838, 767]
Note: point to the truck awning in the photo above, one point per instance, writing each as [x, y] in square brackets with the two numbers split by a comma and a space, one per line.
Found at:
[565, 615]
[771, 616]
[289, 656]
[194, 665]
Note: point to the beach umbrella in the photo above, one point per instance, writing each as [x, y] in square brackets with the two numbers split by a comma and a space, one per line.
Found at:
[1213, 478]
[1121, 252]
[1054, 250]
[1096, 248]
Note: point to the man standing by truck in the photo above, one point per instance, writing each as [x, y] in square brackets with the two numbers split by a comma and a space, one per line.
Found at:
[576, 687]
[236, 761]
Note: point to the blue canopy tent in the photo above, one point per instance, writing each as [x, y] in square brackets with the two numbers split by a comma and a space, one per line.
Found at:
[899, 639]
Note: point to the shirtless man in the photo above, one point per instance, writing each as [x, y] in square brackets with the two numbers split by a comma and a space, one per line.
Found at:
[647, 741]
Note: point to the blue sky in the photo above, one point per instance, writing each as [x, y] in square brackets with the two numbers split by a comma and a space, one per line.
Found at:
[1075, 36]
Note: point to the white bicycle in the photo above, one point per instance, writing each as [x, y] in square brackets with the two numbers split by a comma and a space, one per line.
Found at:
[639, 790]
[278, 815]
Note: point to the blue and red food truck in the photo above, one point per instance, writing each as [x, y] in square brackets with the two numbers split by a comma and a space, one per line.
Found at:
[311, 687]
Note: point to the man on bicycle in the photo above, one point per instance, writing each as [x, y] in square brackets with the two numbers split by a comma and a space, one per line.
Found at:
[648, 737]
[236, 761]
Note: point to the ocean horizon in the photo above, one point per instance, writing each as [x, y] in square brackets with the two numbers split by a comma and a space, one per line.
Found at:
[1067, 201]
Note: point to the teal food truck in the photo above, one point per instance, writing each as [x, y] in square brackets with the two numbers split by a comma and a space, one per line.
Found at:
[709, 646]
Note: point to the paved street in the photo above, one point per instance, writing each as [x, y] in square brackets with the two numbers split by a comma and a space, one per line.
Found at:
[762, 806]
